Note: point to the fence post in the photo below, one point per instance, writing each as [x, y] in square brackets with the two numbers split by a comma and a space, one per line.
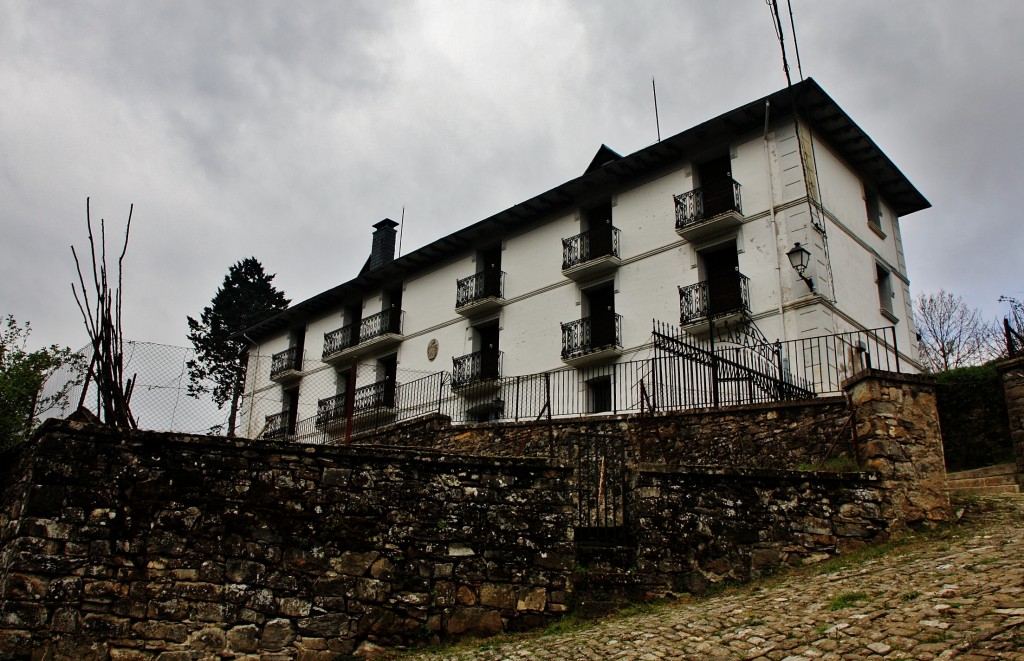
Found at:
[714, 363]
[895, 349]
[350, 404]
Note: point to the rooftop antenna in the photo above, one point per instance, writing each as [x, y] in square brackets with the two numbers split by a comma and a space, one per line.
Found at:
[792, 29]
[401, 226]
[773, 6]
[657, 123]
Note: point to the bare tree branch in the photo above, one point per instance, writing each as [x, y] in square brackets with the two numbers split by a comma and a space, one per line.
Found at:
[953, 335]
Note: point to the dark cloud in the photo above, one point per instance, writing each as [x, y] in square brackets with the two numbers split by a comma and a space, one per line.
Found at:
[285, 131]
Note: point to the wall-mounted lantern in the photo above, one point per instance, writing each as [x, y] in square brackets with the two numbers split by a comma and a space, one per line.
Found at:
[799, 258]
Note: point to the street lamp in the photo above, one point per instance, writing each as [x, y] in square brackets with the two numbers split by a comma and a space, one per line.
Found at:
[799, 258]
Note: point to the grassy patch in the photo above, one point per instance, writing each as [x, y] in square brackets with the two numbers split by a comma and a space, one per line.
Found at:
[847, 600]
[909, 596]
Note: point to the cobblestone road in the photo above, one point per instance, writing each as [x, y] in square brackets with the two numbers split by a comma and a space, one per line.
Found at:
[961, 597]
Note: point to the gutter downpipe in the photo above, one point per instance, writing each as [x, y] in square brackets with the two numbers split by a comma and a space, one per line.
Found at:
[771, 219]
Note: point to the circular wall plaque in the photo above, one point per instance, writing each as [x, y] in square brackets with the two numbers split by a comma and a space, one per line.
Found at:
[432, 350]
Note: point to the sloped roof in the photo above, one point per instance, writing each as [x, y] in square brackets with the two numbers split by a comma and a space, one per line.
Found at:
[609, 170]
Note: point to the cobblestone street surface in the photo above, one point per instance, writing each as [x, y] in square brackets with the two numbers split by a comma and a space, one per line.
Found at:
[961, 596]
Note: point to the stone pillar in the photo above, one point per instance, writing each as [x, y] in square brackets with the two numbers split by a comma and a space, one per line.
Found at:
[898, 436]
[1012, 373]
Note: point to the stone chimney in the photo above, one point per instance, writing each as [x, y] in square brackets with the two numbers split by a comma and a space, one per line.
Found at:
[383, 250]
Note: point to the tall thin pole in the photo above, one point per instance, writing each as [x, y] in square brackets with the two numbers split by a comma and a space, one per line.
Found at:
[657, 122]
[792, 29]
[401, 226]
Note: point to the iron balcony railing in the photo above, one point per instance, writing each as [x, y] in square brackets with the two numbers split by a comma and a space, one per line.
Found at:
[341, 339]
[707, 202]
[591, 334]
[275, 426]
[683, 373]
[485, 284]
[712, 298]
[382, 323]
[589, 245]
[330, 409]
[283, 361]
[476, 367]
[374, 396]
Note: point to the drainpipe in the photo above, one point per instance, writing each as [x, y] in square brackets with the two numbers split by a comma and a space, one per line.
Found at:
[771, 219]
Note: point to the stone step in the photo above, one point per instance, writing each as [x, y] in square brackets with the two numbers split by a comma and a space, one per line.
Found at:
[991, 481]
[985, 471]
[1000, 490]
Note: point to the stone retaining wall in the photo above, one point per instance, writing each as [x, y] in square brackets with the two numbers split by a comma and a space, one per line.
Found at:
[1012, 373]
[775, 436]
[128, 545]
[695, 528]
[898, 437]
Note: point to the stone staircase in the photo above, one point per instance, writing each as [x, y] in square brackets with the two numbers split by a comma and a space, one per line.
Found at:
[990, 480]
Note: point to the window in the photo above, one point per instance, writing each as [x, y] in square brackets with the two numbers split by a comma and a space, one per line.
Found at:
[885, 293]
[874, 211]
[600, 390]
[290, 409]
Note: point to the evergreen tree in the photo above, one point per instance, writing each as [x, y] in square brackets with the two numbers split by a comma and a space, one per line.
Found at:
[246, 297]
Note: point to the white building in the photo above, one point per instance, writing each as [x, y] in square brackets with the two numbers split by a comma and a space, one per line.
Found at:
[698, 230]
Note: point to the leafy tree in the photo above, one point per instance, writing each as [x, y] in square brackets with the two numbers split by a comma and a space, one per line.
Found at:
[22, 376]
[246, 297]
[952, 334]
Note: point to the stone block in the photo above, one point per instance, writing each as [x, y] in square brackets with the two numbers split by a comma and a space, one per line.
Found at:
[371, 590]
[277, 634]
[152, 630]
[294, 607]
[352, 563]
[479, 622]
[209, 639]
[497, 595]
[325, 626]
[531, 599]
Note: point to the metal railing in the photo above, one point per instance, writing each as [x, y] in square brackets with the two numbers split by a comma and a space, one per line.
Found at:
[330, 409]
[713, 298]
[275, 426]
[283, 361]
[476, 367]
[341, 339]
[346, 337]
[591, 334]
[589, 245]
[682, 373]
[485, 284]
[705, 203]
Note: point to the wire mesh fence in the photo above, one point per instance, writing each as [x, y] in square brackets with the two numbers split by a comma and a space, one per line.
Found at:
[160, 399]
[317, 403]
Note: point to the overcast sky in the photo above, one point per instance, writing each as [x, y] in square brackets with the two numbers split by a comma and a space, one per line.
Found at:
[284, 130]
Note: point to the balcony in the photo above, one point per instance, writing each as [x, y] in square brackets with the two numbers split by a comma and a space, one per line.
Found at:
[476, 373]
[591, 253]
[713, 209]
[374, 398]
[330, 413]
[722, 299]
[275, 427]
[480, 293]
[286, 366]
[592, 340]
[374, 333]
